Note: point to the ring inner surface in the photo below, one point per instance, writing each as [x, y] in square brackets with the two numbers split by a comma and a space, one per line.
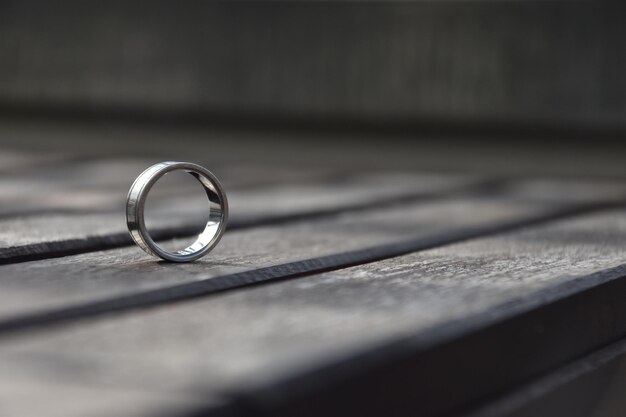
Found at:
[212, 226]
[215, 217]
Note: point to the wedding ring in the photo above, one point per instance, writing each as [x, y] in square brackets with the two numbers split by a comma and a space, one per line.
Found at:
[217, 204]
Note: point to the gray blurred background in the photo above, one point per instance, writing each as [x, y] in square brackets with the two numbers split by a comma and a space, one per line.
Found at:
[514, 87]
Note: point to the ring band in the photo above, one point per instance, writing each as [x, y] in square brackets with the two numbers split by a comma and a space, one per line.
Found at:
[214, 229]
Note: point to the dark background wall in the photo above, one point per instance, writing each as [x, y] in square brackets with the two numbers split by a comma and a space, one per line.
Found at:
[553, 64]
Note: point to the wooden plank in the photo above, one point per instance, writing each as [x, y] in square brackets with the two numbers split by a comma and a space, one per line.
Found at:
[101, 184]
[40, 285]
[14, 160]
[38, 275]
[58, 234]
[575, 314]
[92, 401]
[100, 211]
[259, 343]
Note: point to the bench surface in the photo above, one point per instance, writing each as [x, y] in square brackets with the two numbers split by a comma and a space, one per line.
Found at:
[338, 288]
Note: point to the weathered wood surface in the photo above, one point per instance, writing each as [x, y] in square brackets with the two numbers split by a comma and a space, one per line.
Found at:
[249, 340]
[57, 203]
[59, 228]
[333, 295]
[96, 275]
[100, 185]
[13, 160]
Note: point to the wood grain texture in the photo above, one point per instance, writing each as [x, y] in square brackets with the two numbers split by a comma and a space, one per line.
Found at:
[38, 286]
[259, 349]
[53, 234]
[88, 401]
[86, 201]
[88, 184]
[14, 160]
[291, 328]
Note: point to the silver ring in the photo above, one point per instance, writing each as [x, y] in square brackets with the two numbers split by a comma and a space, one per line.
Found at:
[218, 211]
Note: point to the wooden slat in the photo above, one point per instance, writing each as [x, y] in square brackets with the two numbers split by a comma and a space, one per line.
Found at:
[284, 331]
[77, 204]
[89, 401]
[376, 228]
[13, 160]
[101, 184]
[248, 341]
[57, 282]
[58, 234]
